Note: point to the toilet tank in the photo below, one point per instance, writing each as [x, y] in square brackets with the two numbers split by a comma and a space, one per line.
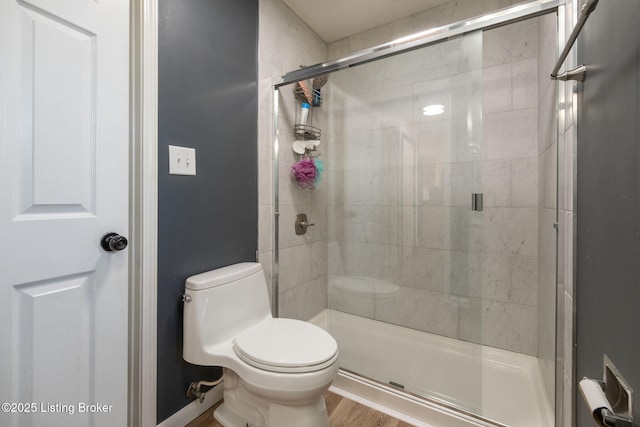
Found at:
[221, 303]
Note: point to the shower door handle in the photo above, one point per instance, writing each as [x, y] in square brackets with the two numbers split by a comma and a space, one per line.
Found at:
[477, 203]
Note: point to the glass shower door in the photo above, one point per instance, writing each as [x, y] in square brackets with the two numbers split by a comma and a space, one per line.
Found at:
[405, 238]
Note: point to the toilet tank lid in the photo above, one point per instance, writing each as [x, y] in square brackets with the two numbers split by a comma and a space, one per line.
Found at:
[222, 276]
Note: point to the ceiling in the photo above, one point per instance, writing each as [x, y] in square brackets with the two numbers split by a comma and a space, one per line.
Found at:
[335, 19]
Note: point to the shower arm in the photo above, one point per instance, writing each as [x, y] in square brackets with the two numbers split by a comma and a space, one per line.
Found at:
[579, 73]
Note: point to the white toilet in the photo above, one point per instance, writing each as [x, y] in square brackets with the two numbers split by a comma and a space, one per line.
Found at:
[276, 370]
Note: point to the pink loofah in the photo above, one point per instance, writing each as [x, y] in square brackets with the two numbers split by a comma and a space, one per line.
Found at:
[305, 172]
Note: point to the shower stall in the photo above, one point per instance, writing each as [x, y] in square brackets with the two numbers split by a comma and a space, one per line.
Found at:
[423, 228]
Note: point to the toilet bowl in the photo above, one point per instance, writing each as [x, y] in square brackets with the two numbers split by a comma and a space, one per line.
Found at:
[275, 370]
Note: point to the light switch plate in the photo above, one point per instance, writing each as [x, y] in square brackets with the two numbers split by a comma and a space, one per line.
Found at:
[182, 160]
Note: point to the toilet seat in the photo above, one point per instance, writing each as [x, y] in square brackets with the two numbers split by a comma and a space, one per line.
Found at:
[286, 345]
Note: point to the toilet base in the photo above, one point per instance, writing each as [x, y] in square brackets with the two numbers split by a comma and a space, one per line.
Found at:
[228, 418]
[242, 408]
[278, 417]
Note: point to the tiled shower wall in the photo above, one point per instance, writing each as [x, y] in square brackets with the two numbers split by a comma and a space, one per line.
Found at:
[286, 43]
[447, 13]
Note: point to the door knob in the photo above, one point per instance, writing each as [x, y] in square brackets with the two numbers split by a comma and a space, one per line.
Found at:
[113, 242]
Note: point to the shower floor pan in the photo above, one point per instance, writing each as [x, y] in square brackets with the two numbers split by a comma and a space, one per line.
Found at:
[503, 387]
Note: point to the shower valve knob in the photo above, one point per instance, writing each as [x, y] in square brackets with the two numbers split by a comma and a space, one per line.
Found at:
[302, 224]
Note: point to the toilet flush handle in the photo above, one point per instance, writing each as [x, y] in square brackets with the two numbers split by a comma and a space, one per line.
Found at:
[186, 298]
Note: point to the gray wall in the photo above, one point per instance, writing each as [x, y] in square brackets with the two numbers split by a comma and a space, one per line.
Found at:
[608, 222]
[208, 101]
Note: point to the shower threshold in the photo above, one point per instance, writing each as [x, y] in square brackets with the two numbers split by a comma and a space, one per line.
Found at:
[405, 406]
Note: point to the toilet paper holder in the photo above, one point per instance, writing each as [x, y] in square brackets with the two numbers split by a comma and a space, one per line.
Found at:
[612, 420]
[614, 390]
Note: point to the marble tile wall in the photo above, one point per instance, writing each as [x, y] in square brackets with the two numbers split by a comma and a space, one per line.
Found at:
[447, 13]
[400, 188]
[286, 43]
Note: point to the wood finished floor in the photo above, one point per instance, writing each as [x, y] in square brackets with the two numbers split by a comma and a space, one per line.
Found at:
[342, 413]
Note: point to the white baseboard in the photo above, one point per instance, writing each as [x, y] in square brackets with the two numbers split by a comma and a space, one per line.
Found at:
[190, 412]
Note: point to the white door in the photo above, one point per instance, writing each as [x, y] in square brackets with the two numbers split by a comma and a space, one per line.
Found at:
[63, 184]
